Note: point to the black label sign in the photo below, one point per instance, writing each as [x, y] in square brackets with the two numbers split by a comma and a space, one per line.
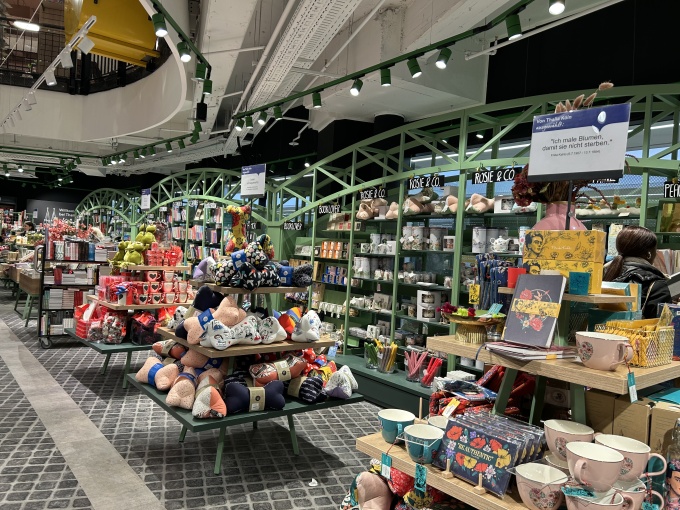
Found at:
[671, 190]
[432, 181]
[293, 225]
[372, 193]
[328, 209]
[488, 176]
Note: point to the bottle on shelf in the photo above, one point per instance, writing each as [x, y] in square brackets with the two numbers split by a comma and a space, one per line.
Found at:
[672, 490]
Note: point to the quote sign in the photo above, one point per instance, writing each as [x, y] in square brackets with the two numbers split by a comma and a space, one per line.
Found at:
[489, 176]
[293, 225]
[252, 181]
[583, 144]
[431, 181]
[145, 204]
[372, 193]
[671, 190]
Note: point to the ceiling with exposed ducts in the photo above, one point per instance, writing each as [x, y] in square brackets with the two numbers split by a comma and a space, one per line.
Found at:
[261, 52]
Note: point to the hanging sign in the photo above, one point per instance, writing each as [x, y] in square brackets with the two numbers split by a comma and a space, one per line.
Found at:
[432, 181]
[211, 205]
[671, 189]
[327, 209]
[163, 208]
[489, 176]
[582, 144]
[146, 199]
[293, 225]
[372, 193]
[193, 203]
[252, 181]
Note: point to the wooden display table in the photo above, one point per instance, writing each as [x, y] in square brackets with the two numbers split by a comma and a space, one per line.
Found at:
[195, 425]
[374, 445]
[109, 349]
[259, 290]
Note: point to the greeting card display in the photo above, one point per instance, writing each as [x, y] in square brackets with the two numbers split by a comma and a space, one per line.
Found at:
[534, 309]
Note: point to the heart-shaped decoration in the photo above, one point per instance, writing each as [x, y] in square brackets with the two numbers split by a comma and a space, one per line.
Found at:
[585, 350]
[544, 499]
[143, 299]
[153, 276]
[155, 287]
[156, 298]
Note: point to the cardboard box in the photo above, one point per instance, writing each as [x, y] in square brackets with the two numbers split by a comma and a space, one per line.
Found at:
[566, 251]
[664, 417]
[632, 419]
[600, 411]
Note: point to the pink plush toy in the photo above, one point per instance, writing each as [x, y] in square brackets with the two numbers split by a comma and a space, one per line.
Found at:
[156, 374]
[208, 402]
[228, 313]
[183, 390]
[169, 348]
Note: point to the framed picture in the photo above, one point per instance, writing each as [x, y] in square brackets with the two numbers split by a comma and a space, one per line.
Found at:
[503, 204]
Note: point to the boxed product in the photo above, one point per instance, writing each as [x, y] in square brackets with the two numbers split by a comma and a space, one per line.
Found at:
[600, 411]
[427, 305]
[632, 419]
[664, 417]
[566, 251]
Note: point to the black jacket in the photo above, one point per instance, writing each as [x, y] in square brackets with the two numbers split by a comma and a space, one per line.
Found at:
[648, 277]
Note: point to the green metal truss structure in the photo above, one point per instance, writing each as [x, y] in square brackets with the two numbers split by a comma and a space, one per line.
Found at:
[338, 178]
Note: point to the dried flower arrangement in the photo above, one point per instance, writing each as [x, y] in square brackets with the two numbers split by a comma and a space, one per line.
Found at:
[525, 192]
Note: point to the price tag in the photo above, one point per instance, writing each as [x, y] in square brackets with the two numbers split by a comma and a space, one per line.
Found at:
[332, 352]
[432, 181]
[386, 466]
[421, 480]
[632, 390]
[450, 407]
[649, 506]
[578, 491]
[372, 193]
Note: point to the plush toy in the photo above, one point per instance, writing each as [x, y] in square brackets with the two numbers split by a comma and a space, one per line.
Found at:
[149, 237]
[302, 275]
[221, 337]
[140, 235]
[289, 319]
[341, 383]
[201, 271]
[480, 204]
[308, 329]
[265, 243]
[240, 398]
[248, 268]
[271, 331]
[228, 313]
[288, 368]
[373, 492]
[154, 373]
[177, 317]
[169, 348]
[183, 389]
[120, 256]
[237, 237]
[237, 376]
[307, 389]
[206, 298]
[208, 401]
[133, 253]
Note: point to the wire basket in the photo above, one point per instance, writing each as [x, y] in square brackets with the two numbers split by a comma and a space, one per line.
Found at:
[650, 348]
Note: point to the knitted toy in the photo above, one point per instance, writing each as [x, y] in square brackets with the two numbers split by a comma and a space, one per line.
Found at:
[341, 383]
[308, 329]
[237, 237]
[208, 401]
[240, 398]
[288, 368]
[154, 373]
[183, 388]
[248, 268]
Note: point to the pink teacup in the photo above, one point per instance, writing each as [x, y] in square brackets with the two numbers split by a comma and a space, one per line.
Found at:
[153, 276]
[143, 299]
[636, 490]
[145, 287]
[560, 432]
[168, 276]
[610, 500]
[154, 287]
[636, 455]
[169, 297]
[156, 298]
[182, 286]
[594, 465]
[182, 297]
[168, 286]
[603, 351]
[540, 485]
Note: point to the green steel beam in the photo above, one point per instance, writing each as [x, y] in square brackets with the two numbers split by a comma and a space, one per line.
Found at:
[432, 148]
[646, 139]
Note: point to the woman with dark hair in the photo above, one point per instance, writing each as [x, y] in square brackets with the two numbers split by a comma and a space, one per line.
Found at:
[633, 264]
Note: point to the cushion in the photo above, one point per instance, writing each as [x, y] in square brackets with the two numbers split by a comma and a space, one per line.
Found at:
[208, 401]
[288, 368]
[307, 389]
[206, 298]
[240, 398]
[341, 384]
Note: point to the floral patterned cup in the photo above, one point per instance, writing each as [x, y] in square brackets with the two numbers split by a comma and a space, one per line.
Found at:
[603, 351]
[594, 465]
[540, 486]
[560, 432]
[636, 490]
[636, 455]
[611, 500]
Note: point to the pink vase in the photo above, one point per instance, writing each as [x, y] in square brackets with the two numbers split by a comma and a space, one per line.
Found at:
[556, 218]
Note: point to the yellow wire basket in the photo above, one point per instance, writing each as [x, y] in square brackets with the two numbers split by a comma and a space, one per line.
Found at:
[650, 348]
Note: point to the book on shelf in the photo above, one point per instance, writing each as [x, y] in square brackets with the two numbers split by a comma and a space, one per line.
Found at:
[527, 353]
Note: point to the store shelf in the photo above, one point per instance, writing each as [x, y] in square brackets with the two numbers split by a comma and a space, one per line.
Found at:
[326, 259]
[67, 285]
[157, 268]
[590, 298]
[259, 290]
[607, 217]
[108, 348]
[389, 282]
[374, 446]
[300, 256]
[504, 215]
[381, 255]
[421, 321]
[501, 254]
[114, 306]
[78, 261]
[406, 253]
[388, 313]
[245, 350]
[567, 370]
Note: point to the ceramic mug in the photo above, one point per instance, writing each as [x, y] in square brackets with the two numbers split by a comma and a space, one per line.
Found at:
[182, 297]
[154, 287]
[610, 500]
[558, 433]
[540, 486]
[636, 455]
[182, 286]
[156, 298]
[169, 297]
[393, 422]
[143, 299]
[603, 351]
[422, 442]
[636, 490]
[153, 276]
[145, 287]
[168, 276]
[594, 465]
[168, 286]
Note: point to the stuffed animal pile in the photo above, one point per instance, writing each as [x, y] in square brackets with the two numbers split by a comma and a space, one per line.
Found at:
[248, 268]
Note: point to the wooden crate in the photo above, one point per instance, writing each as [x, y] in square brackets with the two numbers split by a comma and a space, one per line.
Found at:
[29, 285]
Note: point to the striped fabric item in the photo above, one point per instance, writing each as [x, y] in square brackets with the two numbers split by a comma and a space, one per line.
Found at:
[308, 389]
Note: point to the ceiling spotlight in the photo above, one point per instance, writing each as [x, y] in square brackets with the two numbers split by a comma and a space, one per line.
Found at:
[26, 25]
[114, 161]
[50, 79]
[480, 135]
[385, 77]
[122, 159]
[262, 119]
[142, 154]
[306, 163]
[184, 52]
[277, 113]
[443, 58]
[6, 173]
[135, 154]
[60, 179]
[207, 87]
[20, 169]
[556, 7]
[159, 25]
[27, 105]
[168, 147]
[180, 143]
[85, 45]
[414, 68]
[316, 100]
[513, 26]
[201, 71]
[239, 125]
[356, 87]
[31, 98]
[65, 59]
[249, 122]
[152, 151]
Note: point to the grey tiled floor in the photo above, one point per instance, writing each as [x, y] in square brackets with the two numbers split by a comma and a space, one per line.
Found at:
[260, 471]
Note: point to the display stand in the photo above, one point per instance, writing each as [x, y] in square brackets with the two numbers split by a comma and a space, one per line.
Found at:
[109, 349]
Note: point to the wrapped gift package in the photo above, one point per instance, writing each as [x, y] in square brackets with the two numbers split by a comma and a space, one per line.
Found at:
[566, 251]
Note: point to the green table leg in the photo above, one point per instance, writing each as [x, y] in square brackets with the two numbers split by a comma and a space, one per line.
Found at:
[504, 391]
[254, 425]
[127, 368]
[220, 449]
[230, 365]
[102, 371]
[578, 403]
[537, 401]
[16, 302]
[562, 331]
[293, 437]
[28, 307]
[182, 434]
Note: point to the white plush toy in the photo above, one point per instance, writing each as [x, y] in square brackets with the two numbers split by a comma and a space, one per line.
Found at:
[308, 329]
